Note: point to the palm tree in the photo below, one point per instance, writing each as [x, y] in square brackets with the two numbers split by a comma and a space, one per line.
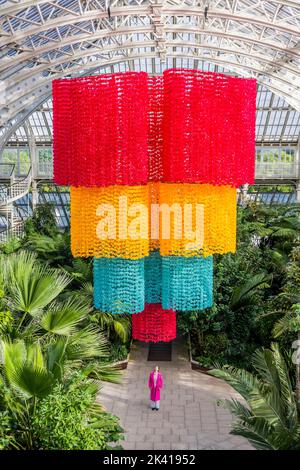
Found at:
[26, 376]
[32, 292]
[29, 373]
[30, 286]
[271, 420]
[243, 294]
[290, 322]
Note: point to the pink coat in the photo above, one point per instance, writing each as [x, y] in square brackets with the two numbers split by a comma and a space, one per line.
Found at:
[155, 391]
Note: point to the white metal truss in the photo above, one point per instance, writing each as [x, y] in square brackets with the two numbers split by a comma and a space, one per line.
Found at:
[42, 40]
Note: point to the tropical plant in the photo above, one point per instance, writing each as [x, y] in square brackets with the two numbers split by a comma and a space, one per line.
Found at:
[287, 305]
[42, 221]
[70, 418]
[270, 418]
[116, 326]
[11, 246]
[290, 322]
[29, 286]
[243, 294]
[26, 376]
[253, 281]
[54, 249]
[31, 291]
[29, 377]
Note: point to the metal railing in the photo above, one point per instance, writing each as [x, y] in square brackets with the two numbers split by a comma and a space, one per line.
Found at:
[10, 192]
[276, 170]
[263, 170]
[15, 231]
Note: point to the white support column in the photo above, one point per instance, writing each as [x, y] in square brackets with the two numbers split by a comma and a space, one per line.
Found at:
[32, 151]
[244, 193]
[35, 194]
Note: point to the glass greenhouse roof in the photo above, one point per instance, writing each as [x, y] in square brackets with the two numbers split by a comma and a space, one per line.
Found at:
[276, 122]
[42, 40]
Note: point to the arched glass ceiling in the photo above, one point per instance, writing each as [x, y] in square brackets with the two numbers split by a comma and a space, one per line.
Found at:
[41, 40]
[277, 123]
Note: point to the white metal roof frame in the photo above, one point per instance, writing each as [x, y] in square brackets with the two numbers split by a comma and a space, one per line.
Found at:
[42, 40]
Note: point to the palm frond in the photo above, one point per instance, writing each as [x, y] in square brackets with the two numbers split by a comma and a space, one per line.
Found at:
[257, 432]
[286, 391]
[121, 330]
[105, 372]
[241, 380]
[87, 343]
[25, 371]
[35, 356]
[32, 286]
[238, 409]
[241, 294]
[62, 318]
[31, 382]
[56, 354]
[289, 322]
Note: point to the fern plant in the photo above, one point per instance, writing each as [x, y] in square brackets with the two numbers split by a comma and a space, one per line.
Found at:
[269, 416]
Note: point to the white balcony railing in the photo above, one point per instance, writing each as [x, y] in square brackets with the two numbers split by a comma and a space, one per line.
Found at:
[276, 170]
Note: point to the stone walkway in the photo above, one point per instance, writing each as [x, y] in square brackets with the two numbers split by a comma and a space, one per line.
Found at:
[189, 418]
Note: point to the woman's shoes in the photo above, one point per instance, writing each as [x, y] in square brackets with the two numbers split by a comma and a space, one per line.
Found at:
[153, 409]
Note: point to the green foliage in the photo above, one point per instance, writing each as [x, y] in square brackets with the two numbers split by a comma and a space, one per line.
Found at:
[54, 249]
[119, 352]
[42, 222]
[7, 439]
[25, 369]
[262, 276]
[11, 246]
[290, 322]
[30, 286]
[242, 295]
[46, 334]
[69, 418]
[271, 419]
[118, 327]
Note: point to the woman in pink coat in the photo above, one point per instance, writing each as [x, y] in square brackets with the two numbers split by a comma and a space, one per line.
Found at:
[155, 383]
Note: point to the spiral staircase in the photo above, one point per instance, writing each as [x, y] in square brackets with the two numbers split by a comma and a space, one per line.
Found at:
[12, 188]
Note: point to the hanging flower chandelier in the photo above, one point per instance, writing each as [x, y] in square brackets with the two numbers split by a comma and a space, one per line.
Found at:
[153, 163]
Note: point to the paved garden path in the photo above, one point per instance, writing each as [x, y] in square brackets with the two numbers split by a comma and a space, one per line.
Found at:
[189, 417]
